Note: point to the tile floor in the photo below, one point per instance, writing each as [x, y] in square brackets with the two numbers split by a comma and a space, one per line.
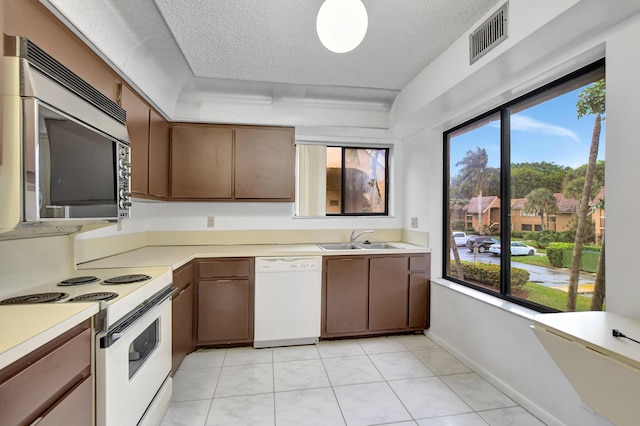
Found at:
[397, 380]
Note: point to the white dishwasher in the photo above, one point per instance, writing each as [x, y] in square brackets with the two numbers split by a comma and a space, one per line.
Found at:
[288, 301]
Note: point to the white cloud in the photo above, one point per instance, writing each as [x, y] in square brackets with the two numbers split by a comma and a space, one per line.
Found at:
[527, 124]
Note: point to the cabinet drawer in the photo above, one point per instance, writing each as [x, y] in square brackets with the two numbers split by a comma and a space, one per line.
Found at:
[225, 268]
[45, 381]
[418, 263]
[75, 409]
[183, 276]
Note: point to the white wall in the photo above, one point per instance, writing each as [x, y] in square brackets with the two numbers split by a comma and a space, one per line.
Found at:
[623, 174]
[495, 341]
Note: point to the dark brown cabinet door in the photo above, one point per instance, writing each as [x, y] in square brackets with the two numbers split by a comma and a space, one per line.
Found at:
[158, 156]
[201, 162]
[418, 301]
[388, 293]
[346, 288]
[182, 326]
[264, 163]
[138, 128]
[224, 311]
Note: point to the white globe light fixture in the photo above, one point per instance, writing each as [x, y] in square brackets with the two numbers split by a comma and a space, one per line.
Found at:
[342, 24]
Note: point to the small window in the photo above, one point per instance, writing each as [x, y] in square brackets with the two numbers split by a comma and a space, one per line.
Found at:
[342, 181]
[526, 227]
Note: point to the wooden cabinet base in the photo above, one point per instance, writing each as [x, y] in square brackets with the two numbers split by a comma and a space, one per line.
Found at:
[375, 295]
[225, 294]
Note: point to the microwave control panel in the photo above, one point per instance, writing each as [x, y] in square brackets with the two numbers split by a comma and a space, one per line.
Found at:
[124, 180]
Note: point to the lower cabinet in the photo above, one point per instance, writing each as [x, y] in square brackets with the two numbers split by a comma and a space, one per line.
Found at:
[52, 385]
[225, 294]
[377, 294]
[182, 315]
[388, 295]
[345, 295]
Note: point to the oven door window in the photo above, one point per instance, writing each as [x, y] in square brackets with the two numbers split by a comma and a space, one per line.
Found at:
[143, 346]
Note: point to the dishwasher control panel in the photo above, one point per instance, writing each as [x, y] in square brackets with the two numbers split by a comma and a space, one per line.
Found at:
[288, 264]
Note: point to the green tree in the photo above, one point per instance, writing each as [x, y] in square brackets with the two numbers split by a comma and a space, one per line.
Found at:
[525, 177]
[591, 100]
[473, 174]
[574, 181]
[541, 202]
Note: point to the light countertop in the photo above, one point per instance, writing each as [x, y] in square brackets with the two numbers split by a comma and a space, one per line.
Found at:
[594, 331]
[24, 328]
[176, 256]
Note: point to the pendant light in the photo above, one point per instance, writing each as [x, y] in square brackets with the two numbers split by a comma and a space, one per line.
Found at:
[342, 24]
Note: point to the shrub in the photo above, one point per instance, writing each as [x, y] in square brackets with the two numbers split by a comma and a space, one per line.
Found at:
[457, 224]
[517, 234]
[554, 252]
[490, 274]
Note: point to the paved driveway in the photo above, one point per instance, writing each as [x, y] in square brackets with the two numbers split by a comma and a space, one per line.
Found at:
[550, 277]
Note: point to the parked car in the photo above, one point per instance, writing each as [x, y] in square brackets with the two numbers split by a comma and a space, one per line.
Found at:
[517, 249]
[460, 238]
[481, 242]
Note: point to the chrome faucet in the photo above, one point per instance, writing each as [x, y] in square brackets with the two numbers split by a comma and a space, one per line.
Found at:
[353, 237]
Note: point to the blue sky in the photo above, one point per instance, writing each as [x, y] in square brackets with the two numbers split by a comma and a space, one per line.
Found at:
[549, 132]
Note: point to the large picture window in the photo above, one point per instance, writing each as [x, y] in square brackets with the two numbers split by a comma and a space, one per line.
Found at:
[524, 197]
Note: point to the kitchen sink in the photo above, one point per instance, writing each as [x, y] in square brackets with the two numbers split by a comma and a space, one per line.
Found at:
[339, 246]
[378, 246]
[358, 246]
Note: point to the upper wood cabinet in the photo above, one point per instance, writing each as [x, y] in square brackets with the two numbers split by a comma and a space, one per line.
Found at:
[264, 163]
[1, 79]
[222, 162]
[201, 162]
[158, 156]
[138, 129]
[149, 137]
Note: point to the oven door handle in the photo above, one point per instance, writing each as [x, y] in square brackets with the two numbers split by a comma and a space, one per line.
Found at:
[119, 328]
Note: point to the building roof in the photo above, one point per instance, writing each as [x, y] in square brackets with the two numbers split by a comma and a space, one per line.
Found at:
[472, 205]
[563, 204]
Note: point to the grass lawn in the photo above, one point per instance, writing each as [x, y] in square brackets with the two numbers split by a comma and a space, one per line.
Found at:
[533, 260]
[554, 298]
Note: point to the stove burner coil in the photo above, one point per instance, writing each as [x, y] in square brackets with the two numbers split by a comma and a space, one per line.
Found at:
[127, 279]
[29, 299]
[94, 297]
[78, 280]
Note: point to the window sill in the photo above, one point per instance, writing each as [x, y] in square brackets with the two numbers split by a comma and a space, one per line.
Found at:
[505, 305]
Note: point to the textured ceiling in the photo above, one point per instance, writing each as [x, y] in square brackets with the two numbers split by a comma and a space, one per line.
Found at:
[179, 52]
[275, 40]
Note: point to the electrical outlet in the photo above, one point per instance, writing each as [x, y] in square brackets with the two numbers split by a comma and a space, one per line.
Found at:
[414, 222]
[210, 221]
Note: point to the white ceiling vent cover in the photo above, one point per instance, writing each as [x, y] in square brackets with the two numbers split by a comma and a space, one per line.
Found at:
[488, 35]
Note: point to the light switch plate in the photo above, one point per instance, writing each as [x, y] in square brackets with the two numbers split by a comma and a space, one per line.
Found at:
[414, 222]
[210, 221]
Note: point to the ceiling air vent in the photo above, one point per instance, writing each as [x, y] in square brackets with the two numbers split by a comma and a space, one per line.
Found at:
[488, 35]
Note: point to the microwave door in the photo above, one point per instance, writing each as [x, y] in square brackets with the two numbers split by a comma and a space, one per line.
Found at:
[30, 139]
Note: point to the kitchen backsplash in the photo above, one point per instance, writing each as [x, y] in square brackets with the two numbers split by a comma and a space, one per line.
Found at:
[33, 261]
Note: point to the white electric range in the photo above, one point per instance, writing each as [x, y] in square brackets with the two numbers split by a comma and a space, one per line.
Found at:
[132, 341]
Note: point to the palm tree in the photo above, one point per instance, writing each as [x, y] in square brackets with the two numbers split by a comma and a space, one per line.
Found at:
[473, 174]
[591, 100]
[541, 202]
[597, 300]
